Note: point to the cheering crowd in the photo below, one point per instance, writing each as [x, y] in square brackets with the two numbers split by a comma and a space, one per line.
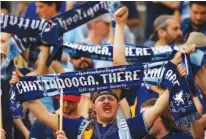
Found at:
[168, 102]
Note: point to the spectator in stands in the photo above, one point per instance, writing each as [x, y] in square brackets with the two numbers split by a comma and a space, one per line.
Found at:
[38, 55]
[119, 52]
[165, 127]
[155, 9]
[70, 110]
[166, 31]
[197, 20]
[105, 104]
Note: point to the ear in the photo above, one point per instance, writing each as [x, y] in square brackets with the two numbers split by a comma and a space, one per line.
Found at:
[161, 33]
[93, 107]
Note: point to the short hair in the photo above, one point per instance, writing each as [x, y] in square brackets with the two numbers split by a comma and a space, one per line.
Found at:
[58, 4]
[167, 118]
[115, 92]
[202, 3]
[5, 5]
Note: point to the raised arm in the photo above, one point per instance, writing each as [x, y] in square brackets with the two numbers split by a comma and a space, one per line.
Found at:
[42, 114]
[121, 16]
[41, 64]
[36, 107]
[152, 113]
[21, 127]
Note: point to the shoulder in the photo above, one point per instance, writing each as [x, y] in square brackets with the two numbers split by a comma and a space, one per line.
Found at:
[179, 135]
[137, 126]
[185, 23]
[73, 120]
[184, 135]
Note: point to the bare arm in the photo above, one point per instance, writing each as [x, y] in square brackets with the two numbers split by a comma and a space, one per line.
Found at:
[36, 107]
[21, 127]
[57, 67]
[197, 130]
[203, 121]
[42, 114]
[119, 43]
[154, 112]
[151, 114]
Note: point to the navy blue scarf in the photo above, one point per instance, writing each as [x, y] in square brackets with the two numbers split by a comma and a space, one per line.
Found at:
[32, 27]
[163, 74]
[31, 30]
[135, 53]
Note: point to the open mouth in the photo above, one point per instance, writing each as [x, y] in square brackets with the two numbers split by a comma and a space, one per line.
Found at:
[107, 108]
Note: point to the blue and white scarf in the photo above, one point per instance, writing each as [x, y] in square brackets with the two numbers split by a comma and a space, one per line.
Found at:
[135, 53]
[32, 30]
[163, 74]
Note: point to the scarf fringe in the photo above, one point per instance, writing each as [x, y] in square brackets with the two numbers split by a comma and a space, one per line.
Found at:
[186, 120]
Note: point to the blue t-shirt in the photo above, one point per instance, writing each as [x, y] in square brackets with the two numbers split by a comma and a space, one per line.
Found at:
[141, 94]
[41, 131]
[178, 135]
[136, 125]
[187, 28]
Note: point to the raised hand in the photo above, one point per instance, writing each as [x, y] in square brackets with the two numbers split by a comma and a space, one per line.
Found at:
[121, 15]
[184, 49]
[181, 70]
[15, 77]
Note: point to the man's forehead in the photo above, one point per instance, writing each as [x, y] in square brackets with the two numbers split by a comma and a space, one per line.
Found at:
[106, 95]
[172, 22]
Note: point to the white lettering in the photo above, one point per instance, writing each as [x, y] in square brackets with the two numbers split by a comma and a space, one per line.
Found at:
[32, 86]
[18, 87]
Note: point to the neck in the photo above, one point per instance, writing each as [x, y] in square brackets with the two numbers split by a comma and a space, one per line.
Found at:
[196, 27]
[163, 132]
[53, 14]
[94, 37]
[74, 114]
[105, 121]
[161, 43]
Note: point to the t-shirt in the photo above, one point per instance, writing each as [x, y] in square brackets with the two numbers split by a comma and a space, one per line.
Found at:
[178, 135]
[136, 125]
[187, 28]
[141, 94]
[41, 131]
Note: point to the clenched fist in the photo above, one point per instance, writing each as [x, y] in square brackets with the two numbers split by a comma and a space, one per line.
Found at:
[121, 15]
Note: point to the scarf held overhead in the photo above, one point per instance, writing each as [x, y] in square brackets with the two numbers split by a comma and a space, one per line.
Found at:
[135, 53]
[31, 30]
[33, 27]
[159, 73]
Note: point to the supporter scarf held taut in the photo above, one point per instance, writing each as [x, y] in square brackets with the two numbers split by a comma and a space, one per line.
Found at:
[159, 73]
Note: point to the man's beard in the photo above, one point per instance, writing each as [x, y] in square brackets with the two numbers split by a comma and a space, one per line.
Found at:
[68, 112]
[171, 41]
